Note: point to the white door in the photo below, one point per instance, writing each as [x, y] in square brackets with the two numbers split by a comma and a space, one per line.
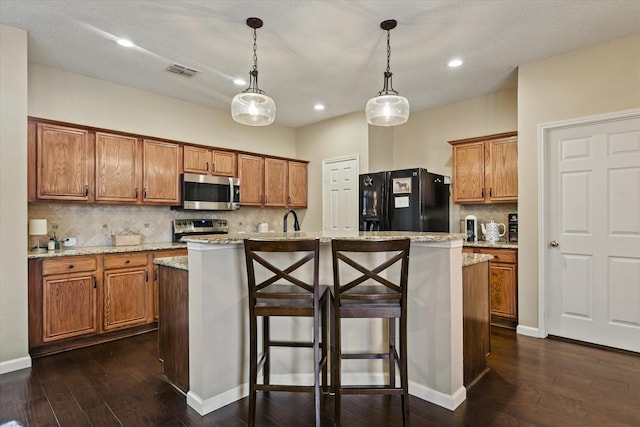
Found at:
[593, 232]
[340, 194]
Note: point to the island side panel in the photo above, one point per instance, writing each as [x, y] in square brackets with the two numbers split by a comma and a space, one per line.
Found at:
[435, 323]
[218, 353]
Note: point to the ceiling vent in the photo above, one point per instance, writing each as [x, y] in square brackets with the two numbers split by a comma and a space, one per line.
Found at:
[182, 70]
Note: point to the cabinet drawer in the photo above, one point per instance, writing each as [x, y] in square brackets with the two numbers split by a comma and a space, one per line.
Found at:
[508, 256]
[69, 265]
[134, 259]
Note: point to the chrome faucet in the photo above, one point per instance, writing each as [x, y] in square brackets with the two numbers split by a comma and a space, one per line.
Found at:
[296, 224]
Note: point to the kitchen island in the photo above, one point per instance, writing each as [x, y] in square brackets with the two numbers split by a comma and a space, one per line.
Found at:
[218, 319]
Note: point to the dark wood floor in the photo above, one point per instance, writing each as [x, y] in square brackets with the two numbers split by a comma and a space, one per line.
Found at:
[532, 382]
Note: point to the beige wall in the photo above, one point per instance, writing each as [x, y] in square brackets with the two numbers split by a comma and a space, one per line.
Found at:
[60, 95]
[343, 136]
[594, 80]
[13, 200]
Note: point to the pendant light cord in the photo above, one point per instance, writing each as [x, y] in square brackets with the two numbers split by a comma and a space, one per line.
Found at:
[255, 51]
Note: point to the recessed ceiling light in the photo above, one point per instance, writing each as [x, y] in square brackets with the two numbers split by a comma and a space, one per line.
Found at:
[455, 63]
[318, 107]
[124, 42]
[239, 82]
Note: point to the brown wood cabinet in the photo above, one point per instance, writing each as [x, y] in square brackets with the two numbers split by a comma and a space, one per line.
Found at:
[75, 301]
[298, 184]
[209, 162]
[63, 157]
[173, 328]
[275, 182]
[504, 284]
[68, 298]
[251, 174]
[271, 182]
[475, 321]
[161, 172]
[118, 168]
[485, 169]
[125, 298]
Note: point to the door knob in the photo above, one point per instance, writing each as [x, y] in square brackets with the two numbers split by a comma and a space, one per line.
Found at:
[554, 244]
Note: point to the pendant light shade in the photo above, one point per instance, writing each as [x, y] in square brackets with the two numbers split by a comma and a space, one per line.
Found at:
[252, 107]
[388, 108]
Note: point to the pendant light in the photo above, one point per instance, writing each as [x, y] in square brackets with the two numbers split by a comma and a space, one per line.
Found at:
[252, 107]
[388, 108]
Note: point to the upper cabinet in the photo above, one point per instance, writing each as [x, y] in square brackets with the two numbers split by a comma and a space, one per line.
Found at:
[297, 184]
[209, 162]
[271, 182]
[118, 165]
[485, 169]
[63, 163]
[275, 182]
[161, 172]
[86, 165]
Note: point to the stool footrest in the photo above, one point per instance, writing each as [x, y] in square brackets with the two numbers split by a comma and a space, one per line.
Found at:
[279, 387]
[364, 356]
[370, 389]
[291, 344]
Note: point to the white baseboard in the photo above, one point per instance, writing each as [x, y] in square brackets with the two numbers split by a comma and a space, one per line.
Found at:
[15, 364]
[529, 331]
[205, 406]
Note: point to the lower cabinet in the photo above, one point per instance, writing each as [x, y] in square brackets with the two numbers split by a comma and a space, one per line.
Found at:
[173, 326]
[504, 284]
[125, 299]
[68, 305]
[76, 301]
[476, 333]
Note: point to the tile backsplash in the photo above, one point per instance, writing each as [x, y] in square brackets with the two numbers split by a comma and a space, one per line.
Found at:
[93, 225]
[499, 212]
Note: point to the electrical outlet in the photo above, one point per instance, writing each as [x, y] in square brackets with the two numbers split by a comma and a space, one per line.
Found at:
[54, 226]
[146, 225]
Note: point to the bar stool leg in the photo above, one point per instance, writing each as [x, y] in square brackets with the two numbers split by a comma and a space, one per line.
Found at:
[266, 346]
[392, 346]
[404, 373]
[253, 369]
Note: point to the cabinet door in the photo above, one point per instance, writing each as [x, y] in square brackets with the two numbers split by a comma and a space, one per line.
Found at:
[251, 174]
[117, 168]
[468, 173]
[297, 185]
[503, 167]
[125, 298]
[275, 182]
[63, 163]
[224, 163]
[197, 160]
[161, 173]
[69, 306]
[504, 291]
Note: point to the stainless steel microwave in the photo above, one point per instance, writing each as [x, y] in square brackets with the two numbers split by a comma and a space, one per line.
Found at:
[210, 193]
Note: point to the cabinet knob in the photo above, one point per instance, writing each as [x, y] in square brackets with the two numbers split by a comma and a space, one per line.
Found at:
[70, 266]
[554, 244]
[127, 261]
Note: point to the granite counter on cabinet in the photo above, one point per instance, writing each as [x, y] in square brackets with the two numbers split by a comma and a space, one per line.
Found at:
[100, 250]
[217, 310]
[496, 245]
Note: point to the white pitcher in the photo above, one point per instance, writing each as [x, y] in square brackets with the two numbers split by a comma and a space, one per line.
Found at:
[491, 231]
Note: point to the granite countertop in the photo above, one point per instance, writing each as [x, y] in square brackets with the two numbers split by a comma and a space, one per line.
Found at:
[325, 237]
[182, 262]
[179, 262]
[501, 244]
[99, 250]
[471, 259]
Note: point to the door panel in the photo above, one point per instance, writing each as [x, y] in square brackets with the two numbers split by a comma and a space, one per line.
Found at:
[593, 187]
[340, 195]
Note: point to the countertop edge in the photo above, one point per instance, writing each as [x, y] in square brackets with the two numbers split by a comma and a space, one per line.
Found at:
[100, 250]
[179, 262]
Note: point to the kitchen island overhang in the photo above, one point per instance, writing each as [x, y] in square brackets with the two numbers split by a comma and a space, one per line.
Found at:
[218, 319]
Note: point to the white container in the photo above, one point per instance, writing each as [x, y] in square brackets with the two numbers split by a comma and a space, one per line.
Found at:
[263, 227]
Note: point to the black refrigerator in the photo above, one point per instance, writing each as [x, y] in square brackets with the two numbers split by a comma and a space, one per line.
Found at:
[404, 200]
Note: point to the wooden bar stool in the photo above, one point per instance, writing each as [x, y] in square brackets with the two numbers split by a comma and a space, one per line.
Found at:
[365, 286]
[284, 293]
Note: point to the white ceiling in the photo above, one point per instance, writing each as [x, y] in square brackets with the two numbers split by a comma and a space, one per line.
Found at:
[311, 50]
